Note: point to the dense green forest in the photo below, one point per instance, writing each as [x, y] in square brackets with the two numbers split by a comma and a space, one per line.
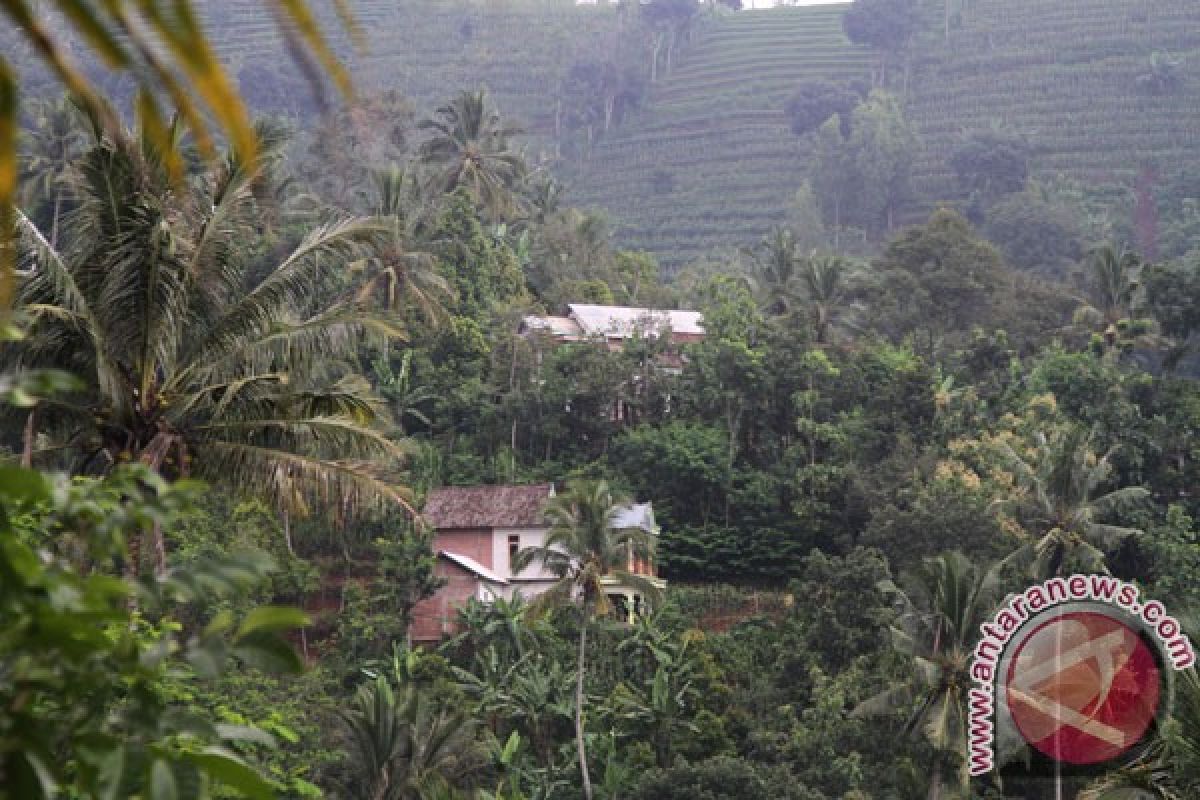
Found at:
[949, 350]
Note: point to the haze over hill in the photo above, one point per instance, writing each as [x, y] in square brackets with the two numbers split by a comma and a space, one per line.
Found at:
[702, 157]
[1063, 75]
[707, 160]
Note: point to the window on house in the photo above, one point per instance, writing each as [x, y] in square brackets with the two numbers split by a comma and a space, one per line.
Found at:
[514, 546]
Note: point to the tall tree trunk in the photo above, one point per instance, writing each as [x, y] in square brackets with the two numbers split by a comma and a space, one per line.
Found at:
[160, 550]
[286, 518]
[133, 567]
[54, 222]
[935, 780]
[583, 766]
[27, 445]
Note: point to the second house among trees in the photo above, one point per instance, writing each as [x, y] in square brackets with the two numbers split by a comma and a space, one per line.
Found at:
[479, 530]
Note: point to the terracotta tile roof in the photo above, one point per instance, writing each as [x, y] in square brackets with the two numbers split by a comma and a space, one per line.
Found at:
[451, 507]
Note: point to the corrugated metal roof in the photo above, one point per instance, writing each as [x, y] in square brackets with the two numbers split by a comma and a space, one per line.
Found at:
[473, 566]
[622, 321]
[557, 326]
[455, 507]
[638, 515]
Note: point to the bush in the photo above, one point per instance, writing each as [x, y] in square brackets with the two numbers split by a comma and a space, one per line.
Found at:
[720, 778]
[1034, 234]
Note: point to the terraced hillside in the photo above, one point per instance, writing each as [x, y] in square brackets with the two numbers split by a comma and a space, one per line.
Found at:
[1065, 74]
[710, 162]
[428, 49]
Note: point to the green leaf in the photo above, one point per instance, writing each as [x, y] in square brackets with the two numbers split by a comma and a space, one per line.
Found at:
[268, 652]
[23, 486]
[27, 388]
[510, 748]
[27, 776]
[208, 659]
[107, 755]
[272, 619]
[162, 782]
[219, 624]
[224, 766]
[245, 733]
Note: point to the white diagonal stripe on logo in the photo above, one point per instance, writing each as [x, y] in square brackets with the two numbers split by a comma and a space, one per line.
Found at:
[1069, 716]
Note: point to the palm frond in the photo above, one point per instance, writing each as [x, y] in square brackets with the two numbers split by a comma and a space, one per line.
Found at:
[257, 470]
[290, 285]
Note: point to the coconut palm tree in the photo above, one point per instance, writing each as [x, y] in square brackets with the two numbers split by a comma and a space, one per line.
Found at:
[192, 365]
[1113, 301]
[56, 141]
[775, 277]
[404, 745]
[403, 270]
[470, 148]
[1060, 498]
[936, 628]
[825, 292]
[582, 548]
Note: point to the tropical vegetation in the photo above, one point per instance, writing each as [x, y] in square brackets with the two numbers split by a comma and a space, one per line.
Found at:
[237, 353]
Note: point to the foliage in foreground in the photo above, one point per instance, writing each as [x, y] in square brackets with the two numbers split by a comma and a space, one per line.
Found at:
[85, 654]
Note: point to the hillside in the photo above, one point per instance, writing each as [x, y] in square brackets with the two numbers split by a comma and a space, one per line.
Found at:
[519, 50]
[1064, 75]
[710, 161]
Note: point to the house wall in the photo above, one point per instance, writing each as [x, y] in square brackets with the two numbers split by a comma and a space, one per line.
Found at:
[529, 589]
[475, 544]
[434, 617]
[530, 537]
